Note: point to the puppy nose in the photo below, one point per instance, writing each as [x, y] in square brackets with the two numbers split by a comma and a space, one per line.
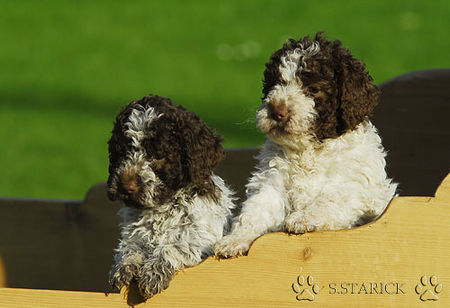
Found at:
[130, 187]
[130, 184]
[279, 112]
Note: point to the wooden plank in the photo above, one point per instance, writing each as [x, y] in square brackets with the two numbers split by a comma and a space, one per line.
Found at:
[32, 298]
[413, 120]
[401, 260]
[58, 244]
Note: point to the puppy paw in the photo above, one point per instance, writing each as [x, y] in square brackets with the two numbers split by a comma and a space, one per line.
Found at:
[231, 246]
[299, 228]
[297, 224]
[122, 275]
[155, 278]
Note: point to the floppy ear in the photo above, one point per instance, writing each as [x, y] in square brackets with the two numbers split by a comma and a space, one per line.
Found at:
[358, 95]
[203, 153]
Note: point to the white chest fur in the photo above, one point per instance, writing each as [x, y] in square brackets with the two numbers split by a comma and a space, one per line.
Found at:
[338, 180]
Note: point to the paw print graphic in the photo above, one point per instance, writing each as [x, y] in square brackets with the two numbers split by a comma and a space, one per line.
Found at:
[429, 288]
[305, 288]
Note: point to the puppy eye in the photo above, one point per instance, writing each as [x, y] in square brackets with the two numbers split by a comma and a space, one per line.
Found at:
[313, 90]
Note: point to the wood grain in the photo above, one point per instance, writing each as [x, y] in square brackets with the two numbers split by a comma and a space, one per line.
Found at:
[401, 260]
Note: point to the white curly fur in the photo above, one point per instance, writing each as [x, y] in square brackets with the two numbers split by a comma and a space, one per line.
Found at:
[336, 185]
[302, 184]
[157, 242]
[295, 60]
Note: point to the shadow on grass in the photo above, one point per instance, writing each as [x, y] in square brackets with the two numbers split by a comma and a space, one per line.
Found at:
[42, 100]
[237, 126]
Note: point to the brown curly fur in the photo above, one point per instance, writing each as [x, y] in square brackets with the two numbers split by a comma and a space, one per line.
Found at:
[185, 149]
[343, 91]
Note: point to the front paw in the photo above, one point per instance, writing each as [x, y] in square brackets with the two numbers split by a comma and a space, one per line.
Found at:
[155, 278]
[231, 246]
[122, 275]
[296, 224]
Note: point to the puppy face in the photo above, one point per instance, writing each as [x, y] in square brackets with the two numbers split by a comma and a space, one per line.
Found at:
[313, 90]
[158, 148]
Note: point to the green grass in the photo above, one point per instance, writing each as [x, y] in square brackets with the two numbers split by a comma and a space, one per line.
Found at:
[67, 67]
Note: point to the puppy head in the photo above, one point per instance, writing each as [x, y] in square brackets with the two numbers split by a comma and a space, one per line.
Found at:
[314, 90]
[156, 149]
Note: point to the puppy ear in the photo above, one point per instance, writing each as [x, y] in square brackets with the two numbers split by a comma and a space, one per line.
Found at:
[357, 95]
[203, 153]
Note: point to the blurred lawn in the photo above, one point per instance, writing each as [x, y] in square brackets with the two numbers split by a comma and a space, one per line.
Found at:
[67, 67]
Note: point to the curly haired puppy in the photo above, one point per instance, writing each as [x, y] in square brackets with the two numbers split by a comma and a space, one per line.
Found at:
[322, 166]
[161, 166]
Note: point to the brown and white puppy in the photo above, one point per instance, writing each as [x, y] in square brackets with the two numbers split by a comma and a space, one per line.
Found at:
[323, 164]
[162, 159]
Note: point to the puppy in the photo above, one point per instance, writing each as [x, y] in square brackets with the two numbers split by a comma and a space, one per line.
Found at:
[323, 164]
[161, 166]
